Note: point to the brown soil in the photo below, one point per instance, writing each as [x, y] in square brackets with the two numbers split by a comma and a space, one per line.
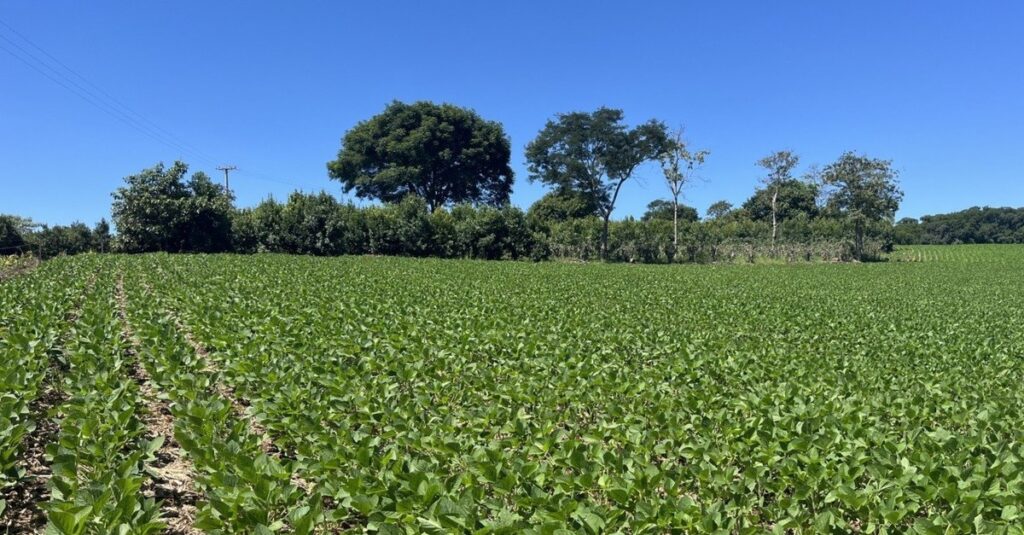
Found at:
[19, 269]
[172, 477]
[23, 513]
[239, 405]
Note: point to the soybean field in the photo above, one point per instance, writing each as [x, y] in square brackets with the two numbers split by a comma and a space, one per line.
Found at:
[284, 394]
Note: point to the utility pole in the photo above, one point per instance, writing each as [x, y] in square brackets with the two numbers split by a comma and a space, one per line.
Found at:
[227, 169]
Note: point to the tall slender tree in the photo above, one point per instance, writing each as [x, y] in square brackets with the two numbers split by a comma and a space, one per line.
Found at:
[593, 154]
[679, 163]
[780, 167]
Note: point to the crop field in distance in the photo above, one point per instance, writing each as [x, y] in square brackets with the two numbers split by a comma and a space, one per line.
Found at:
[262, 394]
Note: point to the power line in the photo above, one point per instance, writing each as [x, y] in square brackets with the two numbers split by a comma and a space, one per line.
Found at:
[113, 99]
[89, 97]
[103, 99]
[107, 103]
[109, 96]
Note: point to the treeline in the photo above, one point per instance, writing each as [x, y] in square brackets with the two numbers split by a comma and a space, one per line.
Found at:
[442, 177]
[164, 209]
[974, 225]
[19, 235]
[318, 224]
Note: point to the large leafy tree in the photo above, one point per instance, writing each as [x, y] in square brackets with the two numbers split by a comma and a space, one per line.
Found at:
[159, 210]
[594, 154]
[864, 190]
[440, 152]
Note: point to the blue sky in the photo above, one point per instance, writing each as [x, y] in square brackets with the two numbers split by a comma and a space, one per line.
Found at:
[271, 87]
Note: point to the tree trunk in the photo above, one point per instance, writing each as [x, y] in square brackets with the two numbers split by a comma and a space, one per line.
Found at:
[607, 215]
[675, 223]
[775, 223]
[859, 239]
[604, 236]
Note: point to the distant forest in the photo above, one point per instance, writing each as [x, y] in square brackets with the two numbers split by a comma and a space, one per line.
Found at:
[973, 225]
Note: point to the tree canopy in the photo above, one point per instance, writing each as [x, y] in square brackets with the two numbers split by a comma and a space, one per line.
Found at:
[662, 210]
[719, 209]
[12, 233]
[158, 210]
[973, 225]
[794, 197]
[442, 153]
[864, 190]
[593, 154]
[556, 206]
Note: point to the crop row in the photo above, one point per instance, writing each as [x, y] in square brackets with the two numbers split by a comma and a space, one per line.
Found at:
[244, 489]
[34, 310]
[98, 460]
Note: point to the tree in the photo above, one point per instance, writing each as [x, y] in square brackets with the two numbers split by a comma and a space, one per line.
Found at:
[719, 209]
[558, 206]
[157, 210]
[593, 154]
[665, 210]
[101, 236]
[780, 171]
[13, 230]
[442, 153]
[792, 198]
[678, 164]
[59, 239]
[865, 191]
[907, 231]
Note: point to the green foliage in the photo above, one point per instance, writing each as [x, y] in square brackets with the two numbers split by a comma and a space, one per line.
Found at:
[557, 206]
[32, 312]
[662, 210]
[317, 224]
[443, 154]
[246, 490]
[865, 190]
[12, 233]
[434, 396]
[779, 165]
[795, 197]
[157, 210]
[19, 234]
[101, 238]
[719, 209]
[71, 239]
[593, 155]
[974, 225]
[98, 459]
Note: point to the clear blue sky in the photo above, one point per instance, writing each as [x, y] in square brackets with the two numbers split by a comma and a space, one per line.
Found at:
[271, 87]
